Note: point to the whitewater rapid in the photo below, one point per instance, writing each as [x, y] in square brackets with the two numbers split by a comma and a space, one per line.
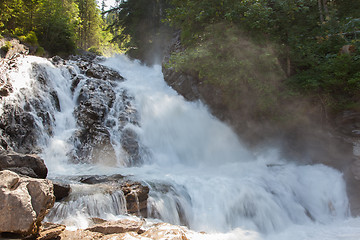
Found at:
[198, 171]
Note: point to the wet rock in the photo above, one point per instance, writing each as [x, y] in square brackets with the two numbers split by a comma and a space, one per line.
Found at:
[101, 72]
[75, 82]
[136, 196]
[120, 226]
[56, 60]
[26, 164]
[50, 231]
[24, 202]
[61, 190]
[19, 129]
[89, 65]
[129, 142]
[5, 90]
[93, 146]
[92, 140]
[101, 179]
[95, 99]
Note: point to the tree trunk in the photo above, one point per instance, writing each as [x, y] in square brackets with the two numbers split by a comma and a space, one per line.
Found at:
[320, 11]
[326, 9]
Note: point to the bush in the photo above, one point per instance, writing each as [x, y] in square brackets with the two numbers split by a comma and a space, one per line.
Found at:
[18, 32]
[337, 77]
[40, 51]
[95, 50]
[31, 38]
[6, 47]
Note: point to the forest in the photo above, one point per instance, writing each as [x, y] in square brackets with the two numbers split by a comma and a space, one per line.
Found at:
[311, 47]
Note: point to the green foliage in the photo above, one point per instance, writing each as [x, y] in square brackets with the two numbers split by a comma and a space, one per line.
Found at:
[18, 32]
[337, 77]
[55, 32]
[95, 50]
[137, 27]
[308, 35]
[31, 38]
[40, 51]
[6, 47]
[58, 26]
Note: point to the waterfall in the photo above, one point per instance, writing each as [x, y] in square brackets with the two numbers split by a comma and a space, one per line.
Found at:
[198, 171]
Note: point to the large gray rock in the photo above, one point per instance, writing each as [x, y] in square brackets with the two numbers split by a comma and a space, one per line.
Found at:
[26, 164]
[24, 202]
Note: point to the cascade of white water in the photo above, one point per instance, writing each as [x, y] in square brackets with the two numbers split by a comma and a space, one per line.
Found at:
[214, 182]
[198, 171]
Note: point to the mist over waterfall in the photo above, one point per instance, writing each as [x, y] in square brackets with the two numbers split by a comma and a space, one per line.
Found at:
[199, 174]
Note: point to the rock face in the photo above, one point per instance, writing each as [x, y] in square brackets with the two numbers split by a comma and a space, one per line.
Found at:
[24, 112]
[100, 113]
[24, 202]
[26, 164]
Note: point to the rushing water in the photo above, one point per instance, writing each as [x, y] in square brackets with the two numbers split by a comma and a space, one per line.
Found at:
[198, 171]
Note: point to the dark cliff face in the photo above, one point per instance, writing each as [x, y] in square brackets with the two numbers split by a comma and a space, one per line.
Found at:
[305, 141]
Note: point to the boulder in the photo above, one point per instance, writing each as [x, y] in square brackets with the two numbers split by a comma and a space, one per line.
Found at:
[24, 202]
[26, 164]
[61, 190]
[119, 226]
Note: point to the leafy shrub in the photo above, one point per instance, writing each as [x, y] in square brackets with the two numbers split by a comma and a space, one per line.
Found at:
[22, 38]
[18, 31]
[95, 50]
[6, 47]
[40, 51]
[31, 38]
[337, 77]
